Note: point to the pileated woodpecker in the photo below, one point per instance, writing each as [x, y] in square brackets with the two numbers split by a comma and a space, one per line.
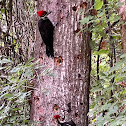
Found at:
[70, 123]
[46, 29]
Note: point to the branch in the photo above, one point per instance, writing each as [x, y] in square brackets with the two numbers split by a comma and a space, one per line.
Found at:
[114, 23]
[98, 58]
[107, 31]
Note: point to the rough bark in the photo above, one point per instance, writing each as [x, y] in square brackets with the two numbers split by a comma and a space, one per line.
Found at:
[122, 12]
[123, 37]
[69, 89]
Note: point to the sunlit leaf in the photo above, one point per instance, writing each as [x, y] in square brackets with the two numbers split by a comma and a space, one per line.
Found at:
[123, 92]
[2, 10]
[2, 106]
[5, 61]
[98, 4]
[8, 95]
[93, 121]
[15, 69]
[102, 51]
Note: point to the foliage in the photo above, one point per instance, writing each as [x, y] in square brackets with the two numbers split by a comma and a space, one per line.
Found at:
[108, 75]
[14, 106]
[108, 99]
[16, 86]
[17, 26]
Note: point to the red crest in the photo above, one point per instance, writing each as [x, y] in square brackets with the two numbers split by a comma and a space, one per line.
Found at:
[56, 116]
[41, 13]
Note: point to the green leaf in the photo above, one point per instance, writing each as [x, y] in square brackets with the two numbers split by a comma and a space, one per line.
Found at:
[2, 117]
[116, 67]
[123, 56]
[96, 53]
[26, 121]
[123, 92]
[98, 4]
[1, 107]
[28, 73]
[15, 69]
[5, 88]
[5, 61]
[106, 106]
[2, 10]
[8, 95]
[86, 20]
[93, 121]
[116, 18]
[113, 109]
[39, 66]
[15, 109]
[124, 102]
[102, 51]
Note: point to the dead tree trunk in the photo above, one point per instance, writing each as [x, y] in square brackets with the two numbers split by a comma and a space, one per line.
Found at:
[67, 93]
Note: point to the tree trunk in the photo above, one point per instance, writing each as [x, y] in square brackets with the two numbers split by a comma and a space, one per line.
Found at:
[67, 93]
[122, 12]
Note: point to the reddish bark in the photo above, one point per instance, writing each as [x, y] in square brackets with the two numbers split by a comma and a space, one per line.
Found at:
[69, 89]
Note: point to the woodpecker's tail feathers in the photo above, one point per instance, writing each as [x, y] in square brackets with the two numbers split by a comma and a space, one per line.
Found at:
[49, 51]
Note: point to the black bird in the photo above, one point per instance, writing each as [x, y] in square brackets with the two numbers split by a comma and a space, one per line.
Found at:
[70, 123]
[46, 29]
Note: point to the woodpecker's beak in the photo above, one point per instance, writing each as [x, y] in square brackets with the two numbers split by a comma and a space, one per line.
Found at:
[49, 12]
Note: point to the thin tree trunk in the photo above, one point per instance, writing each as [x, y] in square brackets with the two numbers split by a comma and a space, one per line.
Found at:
[69, 89]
